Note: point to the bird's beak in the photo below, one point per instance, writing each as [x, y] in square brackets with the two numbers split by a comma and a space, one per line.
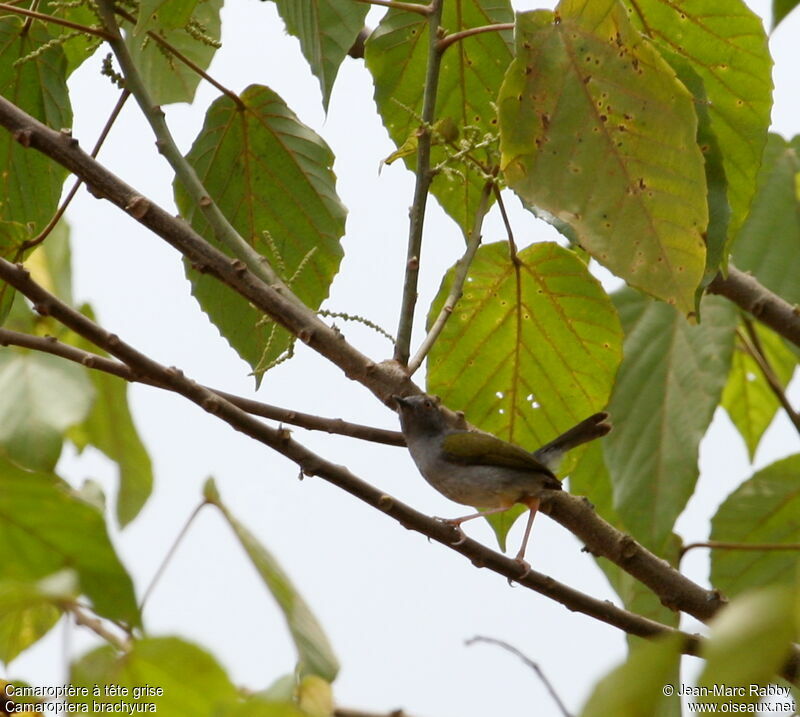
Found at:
[400, 401]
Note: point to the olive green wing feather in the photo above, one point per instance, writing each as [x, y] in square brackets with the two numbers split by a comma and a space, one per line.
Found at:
[475, 448]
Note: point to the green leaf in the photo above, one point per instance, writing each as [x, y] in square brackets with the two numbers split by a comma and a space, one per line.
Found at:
[12, 237]
[315, 653]
[326, 29]
[748, 642]
[28, 610]
[764, 509]
[44, 528]
[50, 263]
[164, 14]
[596, 130]
[768, 245]
[30, 183]
[531, 348]
[725, 42]
[268, 172]
[469, 79]
[636, 687]
[41, 396]
[109, 427]
[666, 392]
[191, 680]
[168, 79]
[748, 398]
[780, 9]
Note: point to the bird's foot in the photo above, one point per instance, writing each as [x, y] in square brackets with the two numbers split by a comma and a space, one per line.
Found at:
[525, 567]
[456, 524]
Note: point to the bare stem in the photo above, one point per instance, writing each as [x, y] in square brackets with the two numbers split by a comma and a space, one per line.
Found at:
[459, 277]
[530, 663]
[97, 626]
[723, 545]
[42, 235]
[51, 345]
[753, 345]
[512, 245]
[170, 554]
[422, 185]
[448, 40]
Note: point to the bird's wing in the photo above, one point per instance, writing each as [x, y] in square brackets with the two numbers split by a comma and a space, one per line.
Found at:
[475, 448]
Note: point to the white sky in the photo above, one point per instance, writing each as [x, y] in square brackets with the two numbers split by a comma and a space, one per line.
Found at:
[396, 608]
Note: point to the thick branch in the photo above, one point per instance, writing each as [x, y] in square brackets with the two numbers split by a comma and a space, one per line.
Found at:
[51, 345]
[769, 308]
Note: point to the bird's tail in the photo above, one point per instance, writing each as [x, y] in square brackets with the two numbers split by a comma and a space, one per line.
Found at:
[587, 430]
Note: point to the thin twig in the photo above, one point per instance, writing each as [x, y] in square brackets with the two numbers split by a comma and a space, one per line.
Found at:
[408, 6]
[448, 40]
[512, 245]
[97, 626]
[422, 185]
[459, 277]
[756, 350]
[42, 235]
[724, 545]
[530, 663]
[55, 20]
[170, 554]
[51, 345]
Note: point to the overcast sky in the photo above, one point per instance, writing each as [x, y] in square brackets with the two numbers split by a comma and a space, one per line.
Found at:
[396, 608]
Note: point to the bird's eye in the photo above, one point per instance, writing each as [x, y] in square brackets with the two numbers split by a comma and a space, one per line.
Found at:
[428, 404]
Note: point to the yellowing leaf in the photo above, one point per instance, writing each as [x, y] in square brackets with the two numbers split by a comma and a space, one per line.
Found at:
[596, 130]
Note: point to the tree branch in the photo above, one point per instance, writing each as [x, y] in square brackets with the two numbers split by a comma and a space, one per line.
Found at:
[769, 308]
[97, 626]
[51, 345]
[314, 465]
[421, 187]
[383, 379]
[459, 277]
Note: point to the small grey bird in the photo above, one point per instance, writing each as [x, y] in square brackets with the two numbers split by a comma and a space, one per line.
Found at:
[481, 470]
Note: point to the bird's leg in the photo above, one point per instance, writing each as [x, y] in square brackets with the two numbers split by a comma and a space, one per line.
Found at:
[533, 506]
[456, 522]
